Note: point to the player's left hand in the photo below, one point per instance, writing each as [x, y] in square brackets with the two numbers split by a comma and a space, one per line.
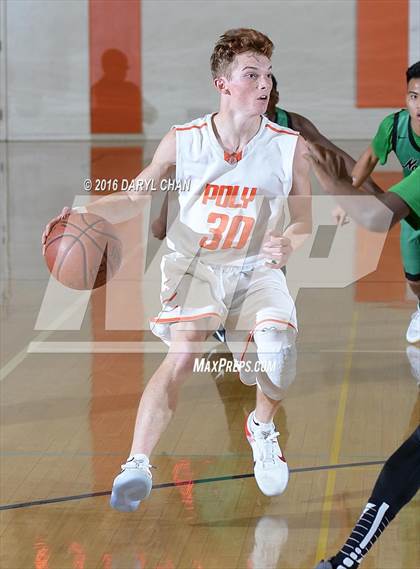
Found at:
[277, 250]
[66, 211]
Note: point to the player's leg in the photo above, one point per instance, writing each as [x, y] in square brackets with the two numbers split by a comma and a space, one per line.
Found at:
[265, 407]
[270, 354]
[160, 397]
[156, 408]
[410, 252]
[276, 352]
[397, 484]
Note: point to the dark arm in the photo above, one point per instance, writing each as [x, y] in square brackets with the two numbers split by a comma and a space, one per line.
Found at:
[383, 210]
[312, 135]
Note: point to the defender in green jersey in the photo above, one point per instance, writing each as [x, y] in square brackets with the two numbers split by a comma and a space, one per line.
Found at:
[400, 133]
[400, 478]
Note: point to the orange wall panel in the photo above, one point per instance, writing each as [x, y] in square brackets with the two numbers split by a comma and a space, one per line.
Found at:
[382, 52]
[115, 66]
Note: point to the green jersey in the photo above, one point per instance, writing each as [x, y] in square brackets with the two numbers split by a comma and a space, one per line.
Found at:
[396, 134]
[283, 118]
[409, 191]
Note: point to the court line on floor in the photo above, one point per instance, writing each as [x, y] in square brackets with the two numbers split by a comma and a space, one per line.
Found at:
[336, 442]
[60, 499]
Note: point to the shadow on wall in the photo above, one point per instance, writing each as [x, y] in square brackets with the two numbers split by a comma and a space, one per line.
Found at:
[115, 102]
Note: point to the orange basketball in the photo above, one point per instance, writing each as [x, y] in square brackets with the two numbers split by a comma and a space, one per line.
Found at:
[83, 251]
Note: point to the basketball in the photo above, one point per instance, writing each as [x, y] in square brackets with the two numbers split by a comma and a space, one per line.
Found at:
[83, 251]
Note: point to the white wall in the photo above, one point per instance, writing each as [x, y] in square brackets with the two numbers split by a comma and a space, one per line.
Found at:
[314, 61]
[3, 70]
[42, 179]
[47, 68]
[414, 31]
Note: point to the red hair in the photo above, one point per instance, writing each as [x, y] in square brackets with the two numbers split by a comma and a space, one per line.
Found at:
[234, 42]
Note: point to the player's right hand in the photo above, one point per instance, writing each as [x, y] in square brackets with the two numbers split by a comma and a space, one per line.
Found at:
[340, 216]
[277, 250]
[65, 212]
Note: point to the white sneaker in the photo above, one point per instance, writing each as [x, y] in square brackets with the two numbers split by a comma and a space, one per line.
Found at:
[132, 485]
[270, 466]
[413, 332]
[413, 355]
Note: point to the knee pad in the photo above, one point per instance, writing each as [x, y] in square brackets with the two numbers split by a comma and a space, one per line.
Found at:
[276, 349]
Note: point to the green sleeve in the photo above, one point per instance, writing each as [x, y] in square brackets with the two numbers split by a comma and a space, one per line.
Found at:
[409, 191]
[382, 142]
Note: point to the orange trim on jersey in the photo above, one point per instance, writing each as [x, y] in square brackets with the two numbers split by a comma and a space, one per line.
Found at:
[251, 334]
[190, 127]
[185, 318]
[281, 131]
[232, 157]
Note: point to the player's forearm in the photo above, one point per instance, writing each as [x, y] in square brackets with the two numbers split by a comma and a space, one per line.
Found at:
[370, 187]
[367, 183]
[367, 210]
[364, 168]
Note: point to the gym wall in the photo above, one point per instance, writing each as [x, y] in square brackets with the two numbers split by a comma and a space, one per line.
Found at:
[328, 66]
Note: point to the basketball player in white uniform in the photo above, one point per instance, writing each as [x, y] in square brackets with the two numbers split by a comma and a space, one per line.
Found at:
[225, 265]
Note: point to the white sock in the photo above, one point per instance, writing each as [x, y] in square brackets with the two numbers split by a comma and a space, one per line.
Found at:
[265, 426]
[138, 456]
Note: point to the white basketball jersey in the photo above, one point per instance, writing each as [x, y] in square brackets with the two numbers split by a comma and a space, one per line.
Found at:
[223, 212]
